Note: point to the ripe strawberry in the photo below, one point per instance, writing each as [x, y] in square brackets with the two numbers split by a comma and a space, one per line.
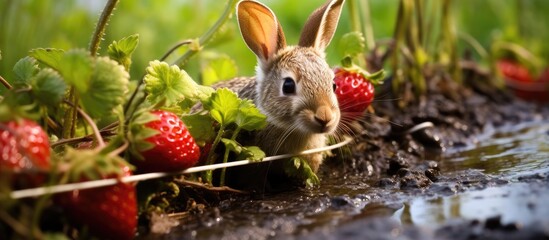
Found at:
[108, 212]
[354, 92]
[24, 146]
[174, 147]
[514, 70]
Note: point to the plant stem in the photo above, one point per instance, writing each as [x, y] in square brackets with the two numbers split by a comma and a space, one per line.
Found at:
[226, 157]
[16, 226]
[175, 47]
[101, 26]
[87, 118]
[137, 89]
[210, 159]
[368, 30]
[209, 34]
[5, 83]
[449, 40]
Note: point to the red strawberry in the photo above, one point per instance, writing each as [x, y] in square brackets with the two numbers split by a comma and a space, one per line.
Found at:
[24, 146]
[354, 92]
[108, 212]
[174, 147]
[514, 70]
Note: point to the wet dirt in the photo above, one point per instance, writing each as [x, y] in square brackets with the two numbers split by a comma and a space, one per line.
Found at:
[481, 171]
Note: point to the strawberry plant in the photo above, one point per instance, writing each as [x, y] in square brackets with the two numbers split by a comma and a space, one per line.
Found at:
[174, 149]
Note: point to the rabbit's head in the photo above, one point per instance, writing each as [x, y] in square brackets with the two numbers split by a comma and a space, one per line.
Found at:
[295, 86]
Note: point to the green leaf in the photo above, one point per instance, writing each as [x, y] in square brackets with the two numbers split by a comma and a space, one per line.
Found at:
[24, 69]
[51, 57]
[108, 86]
[220, 68]
[299, 168]
[144, 117]
[249, 117]
[223, 106]
[76, 67]
[252, 153]
[200, 127]
[122, 50]
[48, 87]
[352, 44]
[232, 145]
[169, 84]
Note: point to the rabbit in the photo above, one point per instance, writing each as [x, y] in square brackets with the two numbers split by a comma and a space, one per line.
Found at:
[293, 85]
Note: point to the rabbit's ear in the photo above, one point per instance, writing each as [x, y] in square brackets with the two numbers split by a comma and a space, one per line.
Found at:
[321, 25]
[260, 29]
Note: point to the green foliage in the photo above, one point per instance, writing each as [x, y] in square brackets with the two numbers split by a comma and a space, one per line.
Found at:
[108, 86]
[48, 56]
[24, 69]
[200, 126]
[299, 168]
[223, 106]
[170, 86]
[220, 68]
[76, 66]
[48, 87]
[122, 50]
[351, 44]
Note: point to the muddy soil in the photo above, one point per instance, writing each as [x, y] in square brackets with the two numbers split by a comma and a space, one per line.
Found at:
[405, 178]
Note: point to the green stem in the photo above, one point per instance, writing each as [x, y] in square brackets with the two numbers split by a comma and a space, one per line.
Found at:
[208, 35]
[355, 18]
[101, 26]
[210, 160]
[226, 157]
[399, 36]
[368, 30]
[449, 40]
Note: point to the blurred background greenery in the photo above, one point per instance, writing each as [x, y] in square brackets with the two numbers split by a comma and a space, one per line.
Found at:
[28, 24]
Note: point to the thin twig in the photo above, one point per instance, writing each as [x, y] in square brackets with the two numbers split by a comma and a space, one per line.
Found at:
[210, 188]
[14, 224]
[178, 45]
[90, 122]
[208, 35]
[5, 83]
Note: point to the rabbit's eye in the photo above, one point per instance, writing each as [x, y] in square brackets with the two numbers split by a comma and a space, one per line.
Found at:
[334, 86]
[288, 87]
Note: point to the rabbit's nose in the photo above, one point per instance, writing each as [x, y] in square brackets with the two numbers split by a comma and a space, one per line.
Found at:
[323, 115]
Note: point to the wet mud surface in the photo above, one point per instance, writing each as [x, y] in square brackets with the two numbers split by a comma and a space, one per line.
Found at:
[480, 171]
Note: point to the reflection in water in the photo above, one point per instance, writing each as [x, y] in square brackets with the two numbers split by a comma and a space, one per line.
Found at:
[511, 153]
[517, 202]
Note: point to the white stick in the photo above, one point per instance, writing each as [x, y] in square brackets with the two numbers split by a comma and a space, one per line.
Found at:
[35, 192]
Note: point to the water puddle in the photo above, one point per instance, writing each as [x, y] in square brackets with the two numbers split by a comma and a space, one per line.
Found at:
[512, 162]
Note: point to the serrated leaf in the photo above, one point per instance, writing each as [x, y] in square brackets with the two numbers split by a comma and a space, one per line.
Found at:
[232, 145]
[169, 84]
[223, 106]
[219, 68]
[352, 43]
[200, 127]
[24, 69]
[76, 66]
[249, 117]
[48, 87]
[51, 57]
[122, 50]
[252, 153]
[109, 82]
